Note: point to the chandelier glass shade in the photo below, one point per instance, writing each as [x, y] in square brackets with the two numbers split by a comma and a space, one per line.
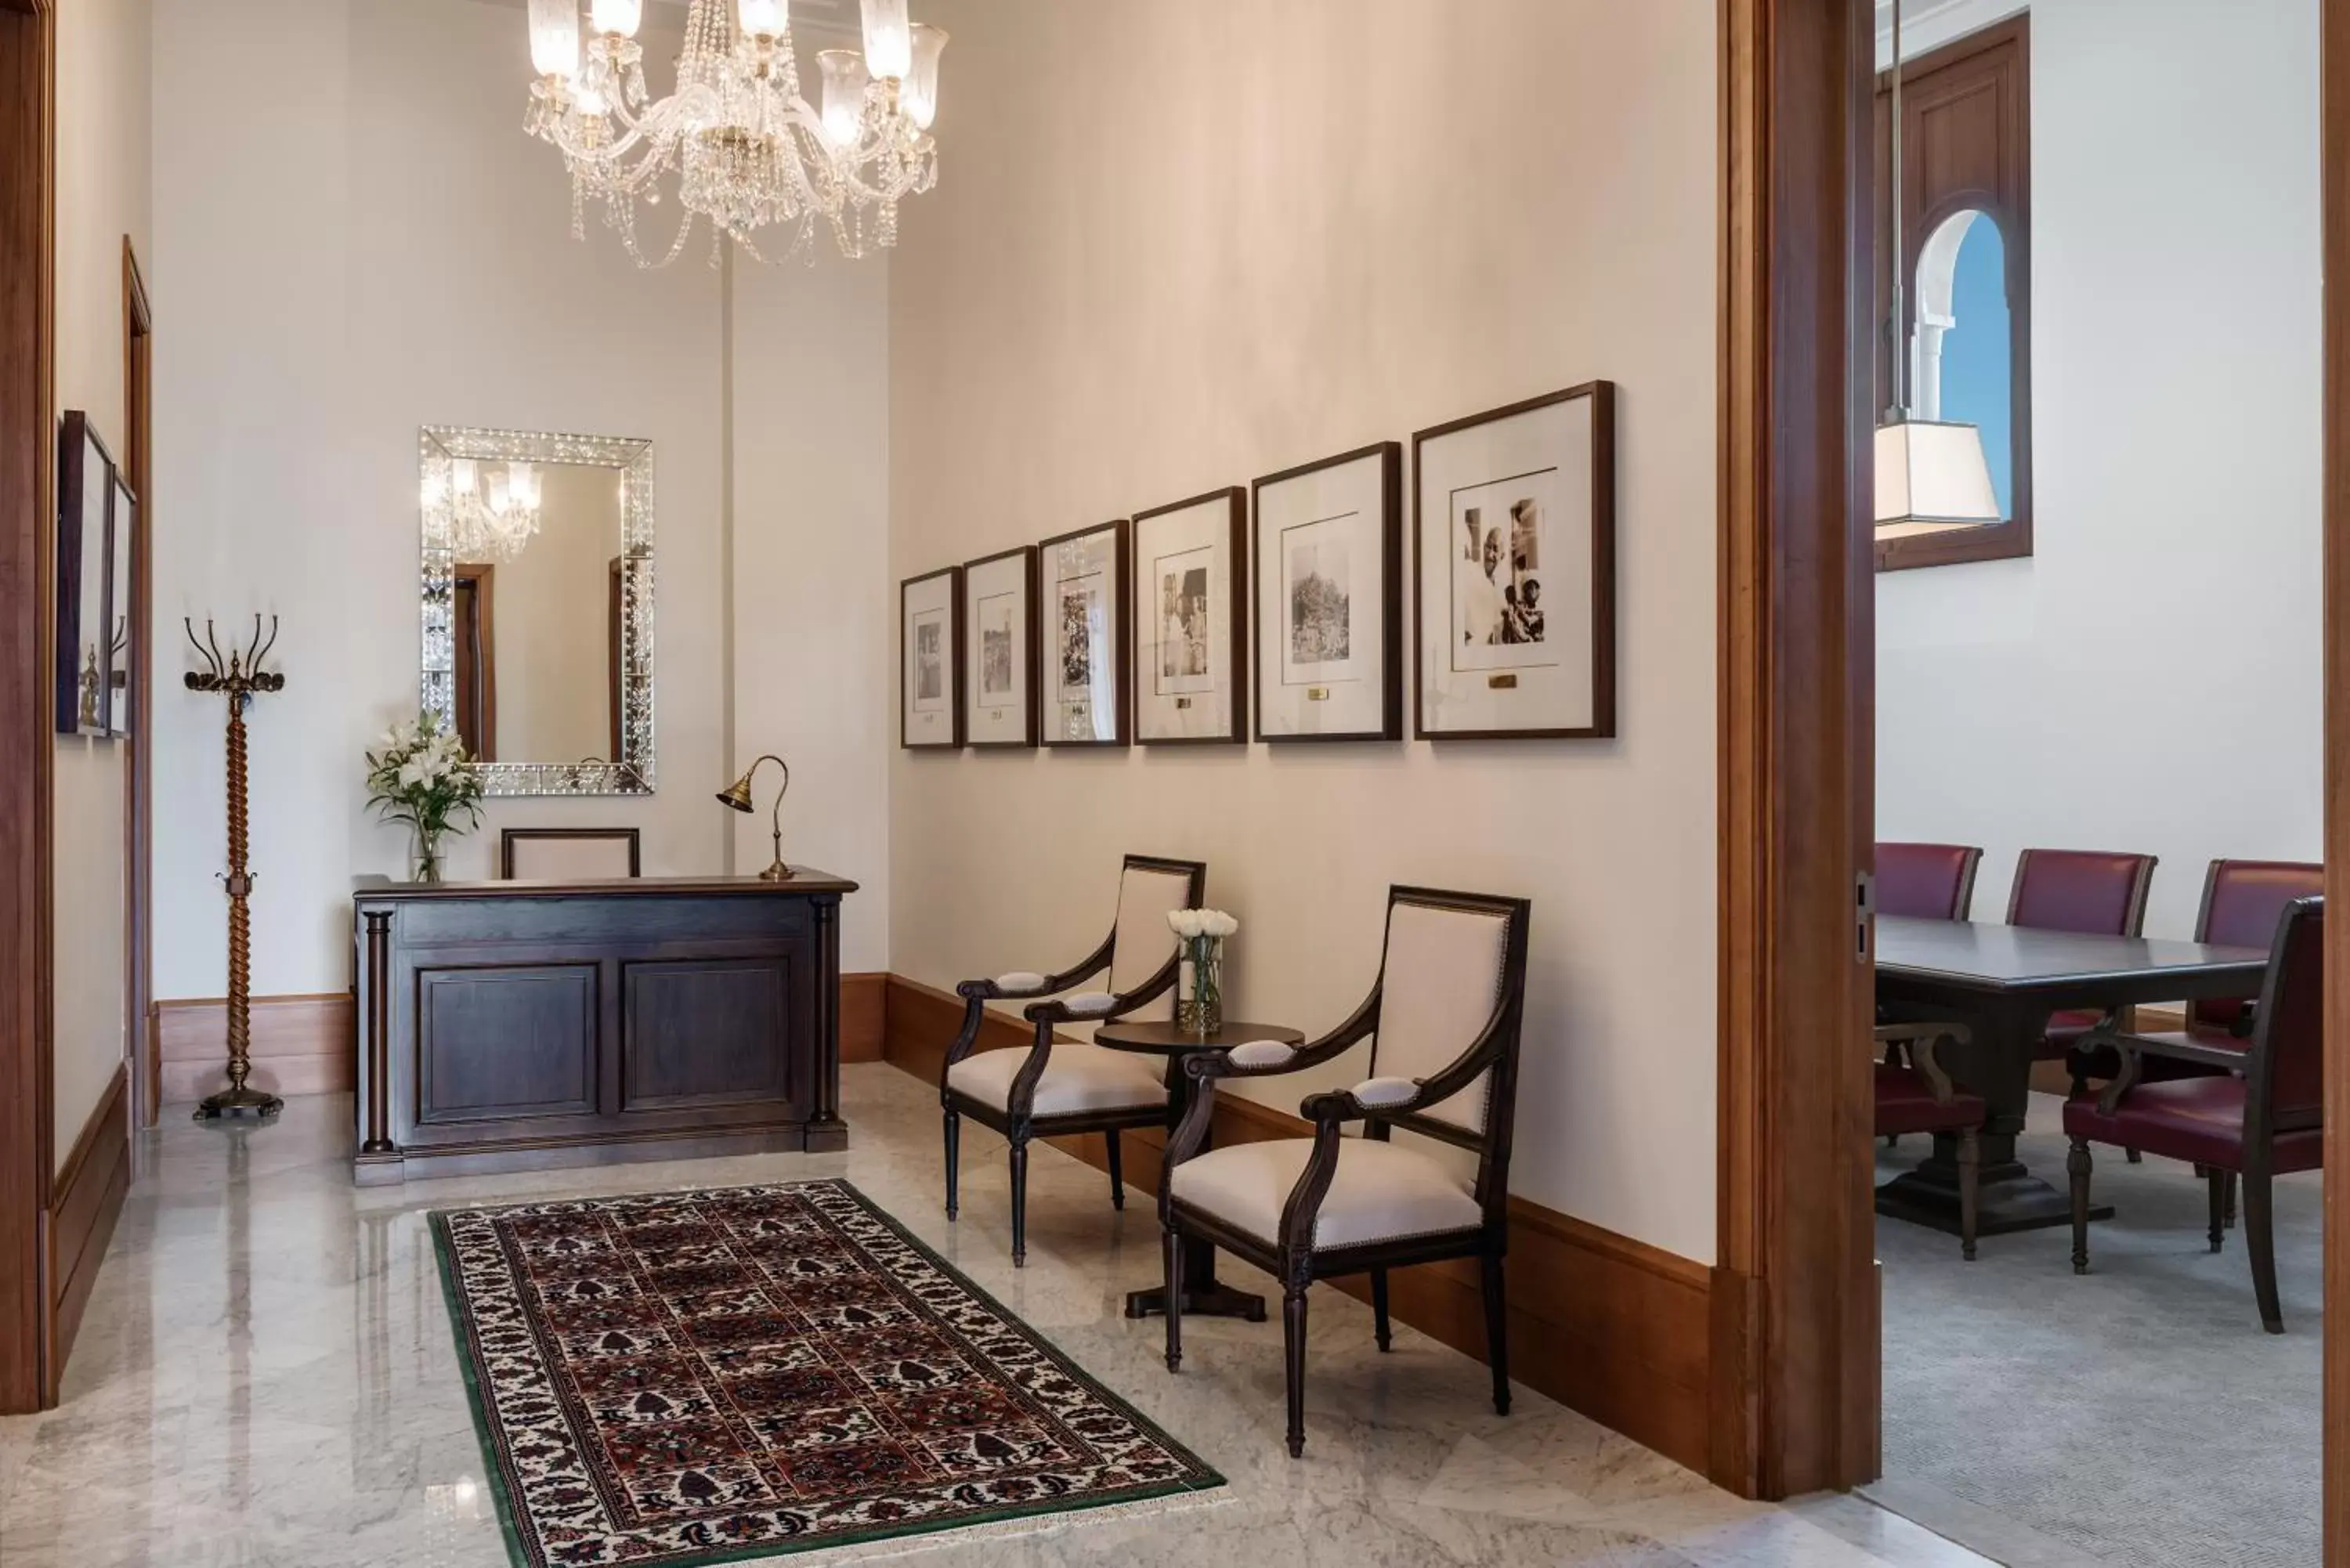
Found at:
[742, 146]
[487, 512]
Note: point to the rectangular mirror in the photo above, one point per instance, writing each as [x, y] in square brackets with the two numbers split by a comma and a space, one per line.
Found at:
[538, 583]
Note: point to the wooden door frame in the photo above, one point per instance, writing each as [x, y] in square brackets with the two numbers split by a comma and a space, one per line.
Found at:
[1794, 1376]
[139, 795]
[27, 573]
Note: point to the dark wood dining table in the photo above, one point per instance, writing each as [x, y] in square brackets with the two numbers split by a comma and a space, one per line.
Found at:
[2005, 982]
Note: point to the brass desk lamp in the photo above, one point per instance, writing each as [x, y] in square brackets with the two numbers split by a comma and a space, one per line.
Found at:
[738, 796]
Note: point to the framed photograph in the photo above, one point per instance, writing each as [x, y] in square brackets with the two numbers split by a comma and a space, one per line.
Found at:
[1513, 540]
[1190, 645]
[120, 600]
[84, 512]
[1087, 614]
[929, 676]
[999, 622]
[1329, 598]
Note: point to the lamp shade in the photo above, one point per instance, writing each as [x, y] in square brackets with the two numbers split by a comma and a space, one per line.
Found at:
[620, 16]
[888, 43]
[844, 79]
[921, 99]
[554, 37]
[1932, 476]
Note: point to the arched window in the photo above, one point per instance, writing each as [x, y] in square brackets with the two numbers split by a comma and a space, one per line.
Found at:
[1966, 224]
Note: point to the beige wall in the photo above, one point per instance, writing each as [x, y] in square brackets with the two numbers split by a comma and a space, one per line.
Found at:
[102, 196]
[427, 275]
[1179, 244]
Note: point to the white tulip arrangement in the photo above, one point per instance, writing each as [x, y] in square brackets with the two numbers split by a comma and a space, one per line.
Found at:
[419, 774]
[1201, 933]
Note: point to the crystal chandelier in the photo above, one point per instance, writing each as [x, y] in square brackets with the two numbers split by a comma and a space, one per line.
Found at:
[484, 516]
[746, 148]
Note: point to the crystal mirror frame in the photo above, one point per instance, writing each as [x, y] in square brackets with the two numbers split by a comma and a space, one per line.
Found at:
[438, 446]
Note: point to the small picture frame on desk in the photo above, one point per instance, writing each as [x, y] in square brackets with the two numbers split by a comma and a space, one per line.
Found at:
[1086, 612]
[1513, 540]
[1329, 598]
[930, 678]
[1190, 639]
[999, 621]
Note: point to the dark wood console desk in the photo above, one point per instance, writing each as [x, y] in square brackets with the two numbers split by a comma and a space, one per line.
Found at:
[518, 1025]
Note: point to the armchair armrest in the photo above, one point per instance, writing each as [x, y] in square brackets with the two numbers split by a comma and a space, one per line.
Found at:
[2134, 1048]
[1019, 984]
[1924, 1038]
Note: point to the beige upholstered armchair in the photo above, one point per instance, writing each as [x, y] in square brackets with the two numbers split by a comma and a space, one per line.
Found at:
[1056, 1086]
[1443, 1022]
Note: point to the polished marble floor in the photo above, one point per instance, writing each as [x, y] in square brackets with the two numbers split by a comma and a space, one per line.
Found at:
[266, 1377]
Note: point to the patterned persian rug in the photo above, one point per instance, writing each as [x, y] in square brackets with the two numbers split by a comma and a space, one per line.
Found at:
[703, 1377]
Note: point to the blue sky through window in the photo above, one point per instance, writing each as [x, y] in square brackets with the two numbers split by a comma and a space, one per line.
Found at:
[1976, 386]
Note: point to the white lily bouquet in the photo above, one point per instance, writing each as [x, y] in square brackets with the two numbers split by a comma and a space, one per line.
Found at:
[1200, 936]
[421, 774]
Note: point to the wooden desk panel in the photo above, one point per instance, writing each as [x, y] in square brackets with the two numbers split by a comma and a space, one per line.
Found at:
[519, 1025]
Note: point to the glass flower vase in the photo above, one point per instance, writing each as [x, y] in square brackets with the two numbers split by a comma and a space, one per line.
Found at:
[425, 854]
[1202, 1013]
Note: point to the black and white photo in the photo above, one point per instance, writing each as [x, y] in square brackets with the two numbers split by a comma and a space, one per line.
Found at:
[999, 618]
[1086, 605]
[1514, 531]
[931, 675]
[1328, 548]
[1189, 653]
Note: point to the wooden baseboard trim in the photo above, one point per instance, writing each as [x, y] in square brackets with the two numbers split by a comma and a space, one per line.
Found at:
[864, 1003]
[1615, 1328]
[301, 1045]
[85, 1203]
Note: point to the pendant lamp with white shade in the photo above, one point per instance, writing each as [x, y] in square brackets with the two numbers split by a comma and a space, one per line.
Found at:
[1931, 474]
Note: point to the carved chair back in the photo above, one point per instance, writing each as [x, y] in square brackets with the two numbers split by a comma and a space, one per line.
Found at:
[1929, 881]
[2285, 1071]
[2242, 901]
[1453, 964]
[2093, 891]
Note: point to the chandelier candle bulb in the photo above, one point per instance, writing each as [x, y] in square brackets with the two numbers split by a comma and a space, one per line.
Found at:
[620, 16]
[921, 96]
[763, 18]
[845, 80]
[554, 37]
[889, 42]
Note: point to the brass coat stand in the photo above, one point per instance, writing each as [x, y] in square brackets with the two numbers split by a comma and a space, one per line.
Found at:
[238, 676]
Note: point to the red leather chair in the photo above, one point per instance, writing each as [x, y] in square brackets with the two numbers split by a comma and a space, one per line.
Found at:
[2243, 900]
[2265, 1123]
[1930, 881]
[2078, 891]
[1915, 1095]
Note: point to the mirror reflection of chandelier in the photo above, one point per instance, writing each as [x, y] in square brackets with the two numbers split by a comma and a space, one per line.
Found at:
[488, 511]
[748, 151]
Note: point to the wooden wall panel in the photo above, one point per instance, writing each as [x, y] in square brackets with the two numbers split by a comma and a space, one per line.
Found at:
[87, 1202]
[301, 1045]
[1610, 1326]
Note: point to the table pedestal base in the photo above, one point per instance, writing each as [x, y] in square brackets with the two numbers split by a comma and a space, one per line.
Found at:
[2008, 1199]
[1202, 1295]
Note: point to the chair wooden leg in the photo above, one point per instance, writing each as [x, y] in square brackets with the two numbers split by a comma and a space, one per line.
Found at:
[1019, 1202]
[1293, 1334]
[1116, 1173]
[1379, 1308]
[2076, 1166]
[2259, 1241]
[1497, 1332]
[1970, 1190]
[2231, 1200]
[2134, 1157]
[1174, 1299]
[2216, 1180]
[954, 1160]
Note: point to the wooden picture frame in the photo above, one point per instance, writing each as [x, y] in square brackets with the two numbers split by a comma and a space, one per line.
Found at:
[929, 665]
[510, 839]
[86, 472]
[1084, 572]
[1357, 498]
[1188, 572]
[1000, 648]
[1550, 461]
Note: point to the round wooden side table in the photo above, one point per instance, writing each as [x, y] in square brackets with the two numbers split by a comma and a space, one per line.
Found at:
[1201, 1293]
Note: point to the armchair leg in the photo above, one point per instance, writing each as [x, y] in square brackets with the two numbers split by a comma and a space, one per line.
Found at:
[1293, 1334]
[1019, 1202]
[2076, 1166]
[2216, 1180]
[1497, 1332]
[1379, 1309]
[954, 1160]
[2134, 1157]
[1116, 1173]
[1970, 1190]
[2259, 1240]
[2231, 1200]
[1174, 1297]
